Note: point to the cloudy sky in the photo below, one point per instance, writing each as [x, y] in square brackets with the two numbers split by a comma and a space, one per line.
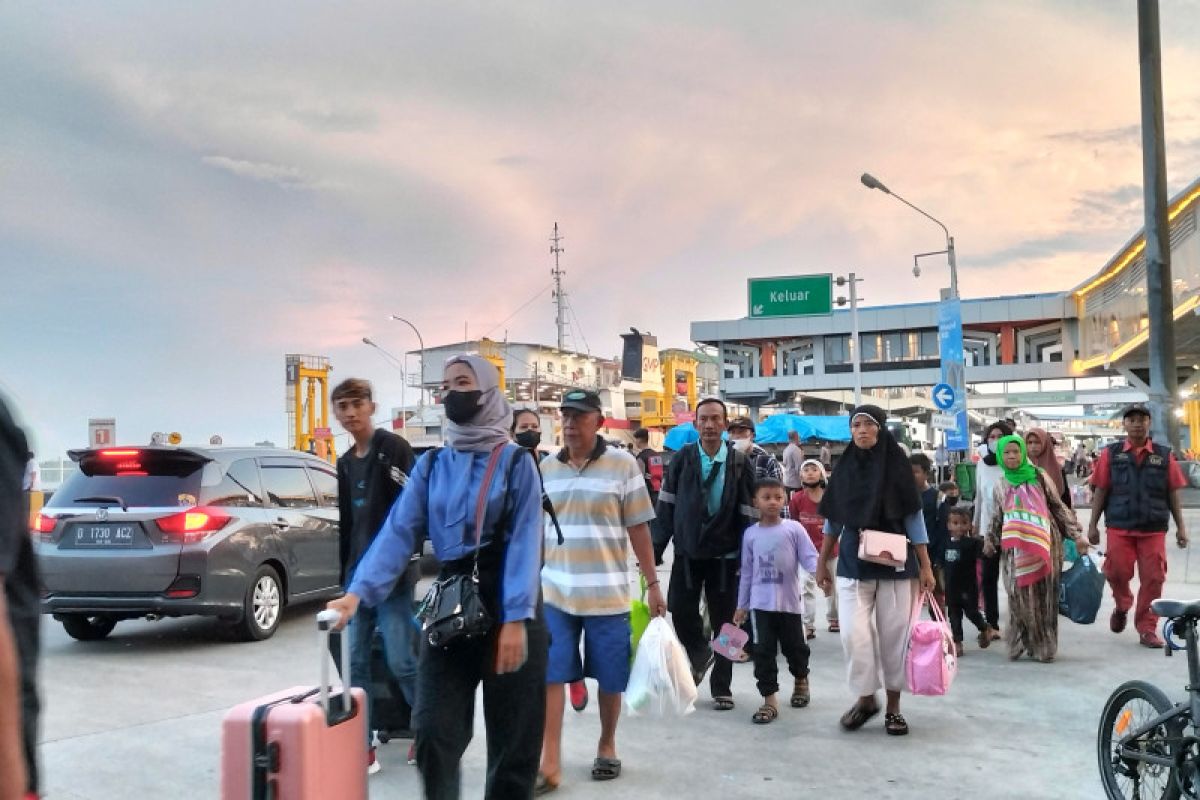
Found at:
[190, 191]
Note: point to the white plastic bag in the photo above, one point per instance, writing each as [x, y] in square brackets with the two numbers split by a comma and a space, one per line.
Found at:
[660, 682]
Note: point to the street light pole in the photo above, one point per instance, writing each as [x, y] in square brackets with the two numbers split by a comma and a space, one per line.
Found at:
[398, 364]
[949, 320]
[421, 341]
[871, 182]
[1159, 292]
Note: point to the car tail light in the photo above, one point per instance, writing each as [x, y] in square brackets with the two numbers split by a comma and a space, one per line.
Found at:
[119, 453]
[44, 527]
[193, 525]
[184, 586]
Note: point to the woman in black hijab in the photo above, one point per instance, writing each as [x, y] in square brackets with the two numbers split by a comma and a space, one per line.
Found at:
[873, 489]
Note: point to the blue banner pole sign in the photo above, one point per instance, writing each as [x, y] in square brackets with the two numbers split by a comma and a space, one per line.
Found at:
[950, 344]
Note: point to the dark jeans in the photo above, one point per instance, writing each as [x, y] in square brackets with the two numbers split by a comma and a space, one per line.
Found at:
[394, 620]
[514, 713]
[990, 584]
[718, 580]
[774, 631]
[965, 604]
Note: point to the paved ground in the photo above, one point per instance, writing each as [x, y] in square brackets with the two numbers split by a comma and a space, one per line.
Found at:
[139, 716]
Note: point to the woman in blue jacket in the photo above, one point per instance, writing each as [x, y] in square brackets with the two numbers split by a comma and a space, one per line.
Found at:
[439, 502]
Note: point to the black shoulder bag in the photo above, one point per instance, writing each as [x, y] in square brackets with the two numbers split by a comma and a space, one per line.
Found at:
[453, 611]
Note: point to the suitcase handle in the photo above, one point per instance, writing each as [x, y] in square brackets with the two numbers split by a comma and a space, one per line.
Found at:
[326, 619]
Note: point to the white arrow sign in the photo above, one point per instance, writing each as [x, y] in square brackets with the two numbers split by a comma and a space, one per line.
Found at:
[943, 396]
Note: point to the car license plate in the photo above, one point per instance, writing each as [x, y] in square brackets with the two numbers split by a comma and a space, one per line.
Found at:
[98, 535]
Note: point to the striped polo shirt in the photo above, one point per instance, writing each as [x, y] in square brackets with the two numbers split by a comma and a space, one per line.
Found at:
[588, 575]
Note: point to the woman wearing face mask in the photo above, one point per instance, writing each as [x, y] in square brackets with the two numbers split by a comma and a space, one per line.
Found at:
[805, 508]
[440, 501]
[988, 475]
[873, 489]
[1029, 524]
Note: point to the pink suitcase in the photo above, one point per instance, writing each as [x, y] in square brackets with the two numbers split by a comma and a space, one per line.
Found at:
[295, 744]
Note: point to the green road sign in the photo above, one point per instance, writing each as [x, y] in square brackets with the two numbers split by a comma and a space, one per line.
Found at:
[1040, 398]
[794, 296]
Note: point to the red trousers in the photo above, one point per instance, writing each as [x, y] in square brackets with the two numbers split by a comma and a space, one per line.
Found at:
[1147, 552]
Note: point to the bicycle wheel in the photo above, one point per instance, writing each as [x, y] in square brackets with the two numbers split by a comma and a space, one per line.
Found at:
[1129, 708]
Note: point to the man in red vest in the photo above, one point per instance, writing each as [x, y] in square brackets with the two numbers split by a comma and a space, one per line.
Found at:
[1137, 485]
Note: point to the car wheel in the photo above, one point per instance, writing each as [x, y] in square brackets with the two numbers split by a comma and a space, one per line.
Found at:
[88, 629]
[263, 606]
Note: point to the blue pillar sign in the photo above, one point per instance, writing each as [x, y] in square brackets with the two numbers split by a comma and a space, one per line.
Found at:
[950, 343]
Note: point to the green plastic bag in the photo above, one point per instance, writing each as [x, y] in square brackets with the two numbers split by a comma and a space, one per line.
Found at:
[1070, 552]
[639, 618]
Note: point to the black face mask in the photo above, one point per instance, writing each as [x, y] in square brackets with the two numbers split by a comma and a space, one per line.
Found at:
[461, 407]
[813, 484]
[528, 439]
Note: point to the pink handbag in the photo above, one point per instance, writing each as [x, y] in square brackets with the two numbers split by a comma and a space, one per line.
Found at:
[878, 547]
[931, 663]
[731, 642]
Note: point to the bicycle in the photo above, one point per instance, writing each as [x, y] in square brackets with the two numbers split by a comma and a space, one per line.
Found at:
[1148, 747]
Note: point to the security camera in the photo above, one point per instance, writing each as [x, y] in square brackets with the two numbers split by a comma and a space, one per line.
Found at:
[916, 270]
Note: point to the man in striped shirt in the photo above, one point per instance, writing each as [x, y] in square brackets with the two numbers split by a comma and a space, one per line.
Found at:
[603, 508]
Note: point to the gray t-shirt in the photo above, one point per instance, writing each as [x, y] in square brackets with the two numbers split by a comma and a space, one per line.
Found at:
[793, 457]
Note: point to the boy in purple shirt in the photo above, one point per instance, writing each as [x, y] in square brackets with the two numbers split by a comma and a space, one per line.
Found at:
[773, 552]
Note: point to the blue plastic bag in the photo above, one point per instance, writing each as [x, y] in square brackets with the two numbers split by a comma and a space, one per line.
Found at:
[1081, 591]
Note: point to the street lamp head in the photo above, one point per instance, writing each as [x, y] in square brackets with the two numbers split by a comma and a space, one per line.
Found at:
[368, 341]
[916, 270]
[871, 182]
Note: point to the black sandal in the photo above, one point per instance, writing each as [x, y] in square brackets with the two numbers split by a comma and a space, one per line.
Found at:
[800, 693]
[858, 715]
[723, 704]
[895, 724]
[766, 713]
[606, 769]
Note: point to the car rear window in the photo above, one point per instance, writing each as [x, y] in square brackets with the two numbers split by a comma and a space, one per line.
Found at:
[141, 479]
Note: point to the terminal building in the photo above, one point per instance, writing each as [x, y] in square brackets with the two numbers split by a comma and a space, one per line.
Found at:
[1085, 347]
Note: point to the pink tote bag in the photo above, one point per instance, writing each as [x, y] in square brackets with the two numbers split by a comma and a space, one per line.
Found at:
[931, 662]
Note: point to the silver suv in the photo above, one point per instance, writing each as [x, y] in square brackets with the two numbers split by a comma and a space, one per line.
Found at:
[235, 533]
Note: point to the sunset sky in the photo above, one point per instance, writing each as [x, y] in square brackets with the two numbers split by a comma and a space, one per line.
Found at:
[188, 192]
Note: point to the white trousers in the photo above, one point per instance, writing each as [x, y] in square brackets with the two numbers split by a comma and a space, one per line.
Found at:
[874, 618]
[811, 593]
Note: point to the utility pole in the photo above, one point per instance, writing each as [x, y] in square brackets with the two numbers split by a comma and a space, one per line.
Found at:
[1160, 299]
[854, 342]
[560, 298]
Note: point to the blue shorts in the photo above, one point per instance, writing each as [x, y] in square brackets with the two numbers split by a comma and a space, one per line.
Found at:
[606, 649]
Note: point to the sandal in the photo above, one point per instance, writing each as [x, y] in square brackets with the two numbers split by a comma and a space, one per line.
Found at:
[858, 715]
[606, 769]
[723, 704]
[895, 725]
[834, 628]
[544, 785]
[800, 693]
[766, 713]
[985, 638]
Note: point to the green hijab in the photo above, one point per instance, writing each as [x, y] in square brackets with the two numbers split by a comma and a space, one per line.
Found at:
[1026, 472]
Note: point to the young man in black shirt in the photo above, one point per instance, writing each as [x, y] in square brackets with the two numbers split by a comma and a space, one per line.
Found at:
[20, 616]
[370, 477]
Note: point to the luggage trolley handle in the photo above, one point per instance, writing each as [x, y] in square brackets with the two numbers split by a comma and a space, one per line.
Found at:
[325, 621]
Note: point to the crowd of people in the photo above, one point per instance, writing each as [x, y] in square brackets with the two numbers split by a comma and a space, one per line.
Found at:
[757, 542]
